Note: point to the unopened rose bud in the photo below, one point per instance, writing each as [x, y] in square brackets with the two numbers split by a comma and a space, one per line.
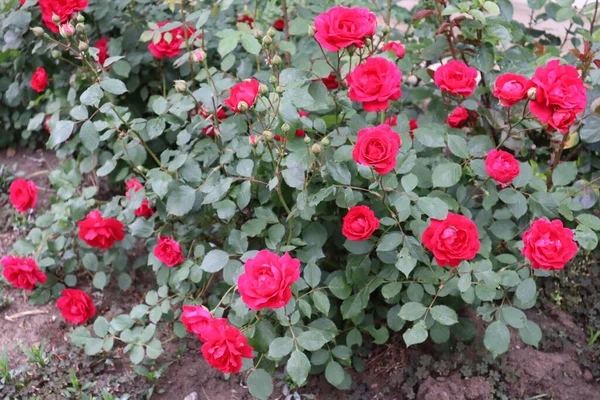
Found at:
[276, 60]
[199, 55]
[279, 89]
[55, 18]
[55, 54]
[38, 31]
[531, 93]
[386, 29]
[285, 128]
[271, 32]
[80, 28]
[316, 148]
[325, 142]
[253, 139]
[80, 18]
[180, 86]
[242, 106]
[263, 89]
[66, 30]
[368, 42]
[267, 40]
[83, 46]
[306, 139]
[267, 136]
[351, 49]
[273, 79]
[258, 34]
[312, 31]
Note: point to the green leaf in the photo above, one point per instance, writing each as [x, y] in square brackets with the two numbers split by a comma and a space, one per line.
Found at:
[137, 354]
[351, 307]
[591, 221]
[89, 136]
[526, 290]
[80, 336]
[564, 173]
[415, 335]
[99, 280]
[100, 326]
[298, 367]
[390, 241]
[312, 274]
[431, 135]
[491, 7]
[311, 340]
[113, 86]
[531, 334]
[434, 208]
[250, 44]
[228, 43]
[214, 261]
[294, 177]
[340, 288]
[93, 346]
[497, 338]
[391, 289]
[321, 301]
[406, 263]
[446, 175]
[154, 349]
[334, 373]
[412, 311]
[458, 146]
[444, 315]
[504, 229]
[280, 347]
[181, 200]
[514, 317]
[61, 132]
[260, 384]
[92, 95]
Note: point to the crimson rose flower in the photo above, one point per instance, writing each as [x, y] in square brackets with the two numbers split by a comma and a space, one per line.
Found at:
[76, 306]
[196, 319]
[224, 346]
[39, 80]
[511, 88]
[456, 77]
[47, 125]
[396, 47]
[244, 18]
[279, 25]
[132, 184]
[375, 83]
[341, 27]
[100, 232]
[458, 117]
[23, 194]
[245, 91]
[170, 48]
[143, 210]
[359, 223]
[452, 240]
[502, 166]
[22, 273]
[560, 95]
[63, 8]
[102, 45]
[267, 279]
[221, 115]
[168, 251]
[412, 124]
[377, 147]
[548, 245]
[330, 81]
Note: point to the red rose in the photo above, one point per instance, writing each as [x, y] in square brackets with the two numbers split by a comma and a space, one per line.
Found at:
[168, 251]
[452, 240]
[170, 46]
[377, 147]
[396, 47]
[253, 140]
[47, 125]
[548, 245]
[63, 8]
[412, 124]
[221, 115]
[267, 279]
[132, 184]
[502, 166]
[100, 232]
[458, 117]
[243, 18]
[456, 77]
[330, 82]
[22, 273]
[359, 223]
[341, 27]
[102, 45]
[511, 88]
[196, 320]
[23, 194]
[144, 210]
[225, 346]
[245, 91]
[76, 306]
[279, 25]
[560, 91]
[39, 80]
[375, 83]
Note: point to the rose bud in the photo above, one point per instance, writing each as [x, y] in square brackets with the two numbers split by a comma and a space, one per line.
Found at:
[37, 31]
[180, 86]
[199, 55]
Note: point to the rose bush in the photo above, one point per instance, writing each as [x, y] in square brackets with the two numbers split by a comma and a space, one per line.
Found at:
[284, 250]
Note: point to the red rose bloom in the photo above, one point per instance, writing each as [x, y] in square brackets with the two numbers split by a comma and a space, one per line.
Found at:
[144, 210]
[63, 8]
[267, 279]
[413, 124]
[511, 88]
[377, 147]
[452, 240]
[560, 95]
[102, 45]
[375, 83]
[39, 80]
[172, 47]
[132, 184]
[330, 82]
[76, 306]
[22, 273]
[502, 166]
[548, 245]
[168, 251]
[458, 117]
[341, 27]
[225, 346]
[47, 125]
[196, 320]
[23, 194]
[359, 223]
[100, 232]
[244, 18]
[456, 77]
[396, 47]
[221, 115]
[245, 91]
[279, 25]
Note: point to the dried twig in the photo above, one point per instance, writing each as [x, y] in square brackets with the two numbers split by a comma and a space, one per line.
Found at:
[12, 318]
